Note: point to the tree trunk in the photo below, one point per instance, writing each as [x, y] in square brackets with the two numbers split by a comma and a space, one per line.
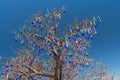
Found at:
[60, 71]
[57, 68]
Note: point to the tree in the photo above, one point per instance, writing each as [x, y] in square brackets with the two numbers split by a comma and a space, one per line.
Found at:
[47, 54]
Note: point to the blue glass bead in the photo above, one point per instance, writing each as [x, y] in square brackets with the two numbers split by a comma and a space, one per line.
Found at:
[40, 22]
[42, 49]
[71, 62]
[64, 11]
[7, 70]
[32, 23]
[78, 30]
[82, 34]
[61, 62]
[50, 54]
[70, 55]
[7, 66]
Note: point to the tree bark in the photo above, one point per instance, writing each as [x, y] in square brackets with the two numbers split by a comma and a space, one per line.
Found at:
[57, 68]
[60, 71]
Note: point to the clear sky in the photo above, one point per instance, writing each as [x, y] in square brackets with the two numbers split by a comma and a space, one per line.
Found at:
[106, 44]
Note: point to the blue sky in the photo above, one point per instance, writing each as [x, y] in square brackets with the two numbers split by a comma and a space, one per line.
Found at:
[106, 44]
